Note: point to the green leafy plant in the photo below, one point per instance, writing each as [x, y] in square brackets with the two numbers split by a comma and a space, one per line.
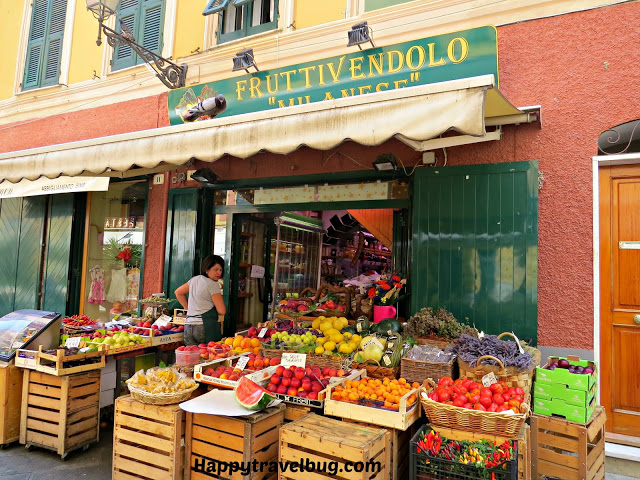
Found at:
[129, 253]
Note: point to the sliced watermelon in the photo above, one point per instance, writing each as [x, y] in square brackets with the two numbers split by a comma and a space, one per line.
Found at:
[251, 395]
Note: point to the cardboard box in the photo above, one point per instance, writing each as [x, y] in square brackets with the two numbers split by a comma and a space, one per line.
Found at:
[571, 413]
[571, 380]
[548, 390]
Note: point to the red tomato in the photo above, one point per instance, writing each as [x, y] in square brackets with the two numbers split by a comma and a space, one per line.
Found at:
[485, 392]
[478, 406]
[511, 391]
[496, 388]
[506, 397]
[501, 408]
[445, 381]
[519, 391]
[498, 399]
[448, 402]
[459, 389]
[474, 399]
[458, 381]
[485, 402]
[459, 401]
[468, 406]
[443, 396]
[433, 396]
[519, 398]
[493, 407]
[466, 382]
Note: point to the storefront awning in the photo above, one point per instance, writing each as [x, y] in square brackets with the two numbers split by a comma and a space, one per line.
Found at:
[48, 186]
[415, 115]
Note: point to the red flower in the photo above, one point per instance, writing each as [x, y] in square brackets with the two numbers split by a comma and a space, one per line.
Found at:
[396, 278]
[397, 285]
[125, 254]
[372, 292]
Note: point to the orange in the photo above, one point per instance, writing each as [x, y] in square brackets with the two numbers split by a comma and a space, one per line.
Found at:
[402, 380]
[237, 340]
[228, 341]
[353, 396]
[254, 342]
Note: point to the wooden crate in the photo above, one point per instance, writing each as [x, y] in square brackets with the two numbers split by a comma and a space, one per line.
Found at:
[321, 440]
[148, 441]
[10, 403]
[400, 449]
[294, 412]
[523, 438]
[58, 364]
[566, 450]
[212, 438]
[60, 413]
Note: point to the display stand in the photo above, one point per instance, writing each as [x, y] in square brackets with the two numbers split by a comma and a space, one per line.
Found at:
[10, 402]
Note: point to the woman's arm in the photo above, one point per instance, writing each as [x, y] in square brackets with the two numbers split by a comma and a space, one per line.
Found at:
[181, 294]
[219, 303]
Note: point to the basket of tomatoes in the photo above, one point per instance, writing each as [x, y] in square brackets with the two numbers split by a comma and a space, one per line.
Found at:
[464, 404]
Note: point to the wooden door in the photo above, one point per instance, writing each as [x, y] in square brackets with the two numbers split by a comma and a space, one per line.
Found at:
[620, 298]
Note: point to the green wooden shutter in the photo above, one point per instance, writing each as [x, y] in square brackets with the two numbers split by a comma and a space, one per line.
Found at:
[181, 239]
[151, 28]
[53, 45]
[30, 253]
[474, 244]
[128, 12]
[10, 213]
[58, 245]
[35, 48]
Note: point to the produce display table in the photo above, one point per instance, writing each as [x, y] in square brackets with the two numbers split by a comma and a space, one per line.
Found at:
[322, 439]
[148, 441]
[567, 450]
[10, 402]
[212, 438]
[60, 413]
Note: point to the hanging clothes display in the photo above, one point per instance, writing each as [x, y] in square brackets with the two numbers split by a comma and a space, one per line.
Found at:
[133, 288]
[96, 294]
[118, 285]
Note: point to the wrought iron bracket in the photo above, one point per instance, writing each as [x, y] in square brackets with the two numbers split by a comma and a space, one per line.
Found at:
[169, 73]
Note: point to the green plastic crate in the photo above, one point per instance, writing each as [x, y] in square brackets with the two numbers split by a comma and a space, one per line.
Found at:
[571, 380]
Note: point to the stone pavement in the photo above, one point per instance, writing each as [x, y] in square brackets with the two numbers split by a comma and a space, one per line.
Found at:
[18, 463]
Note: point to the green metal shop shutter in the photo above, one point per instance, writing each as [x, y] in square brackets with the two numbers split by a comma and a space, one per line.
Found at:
[181, 239]
[44, 51]
[58, 244]
[474, 244]
[10, 213]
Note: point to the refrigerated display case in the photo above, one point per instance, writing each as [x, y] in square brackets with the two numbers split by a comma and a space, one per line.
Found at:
[296, 254]
[27, 329]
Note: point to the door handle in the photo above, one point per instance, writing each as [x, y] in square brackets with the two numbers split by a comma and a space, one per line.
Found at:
[636, 318]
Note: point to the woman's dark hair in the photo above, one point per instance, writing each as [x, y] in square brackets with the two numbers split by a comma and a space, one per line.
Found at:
[210, 261]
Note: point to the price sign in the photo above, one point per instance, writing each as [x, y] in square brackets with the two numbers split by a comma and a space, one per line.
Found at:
[489, 379]
[295, 359]
[242, 362]
[72, 342]
[263, 332]
[373, 341]
[257, 271]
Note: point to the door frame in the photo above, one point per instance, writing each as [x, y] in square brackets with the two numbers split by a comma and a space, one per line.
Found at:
[597, 162]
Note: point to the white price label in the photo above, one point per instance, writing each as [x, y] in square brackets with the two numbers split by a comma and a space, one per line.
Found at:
[72, 342]
[295, 359]
[257, 271]
[263, 332]
[242, 362]
[373, 341]
[85, 349]
[489, 379]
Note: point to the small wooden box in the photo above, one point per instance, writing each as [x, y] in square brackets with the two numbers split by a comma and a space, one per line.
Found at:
[294, 412]
[524, 445]
[567, 450]
[10, 403]
[400, 448]
[60, 413]
[148, 441]
[325, 441]
[212, 438]
[58, 364]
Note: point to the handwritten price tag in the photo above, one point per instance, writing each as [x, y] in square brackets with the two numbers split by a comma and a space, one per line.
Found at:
[295, 359]
[373, 341]
[489, 379]
[242, 362]
[72, 342]
[263, 332]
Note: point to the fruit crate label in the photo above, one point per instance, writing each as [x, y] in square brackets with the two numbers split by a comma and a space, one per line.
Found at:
[295, 359]
[26, 360]
[263, 332]
[386, 360]
[85, 349]
[72, 342]
[359, 327]
[242, 362]
[489, 379]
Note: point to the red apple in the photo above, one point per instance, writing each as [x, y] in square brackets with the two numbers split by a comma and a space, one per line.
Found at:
[299, 373]
[274, 361]
[272, 388]
[287, 373]
[333, 372]
[275, 379]
[286, 381]
[282, 390]
[306, 386]
[280, 370]
[295, 383]
[325, 371]
[312, 396]
[292, 392]
[303, 393]
[317, 387]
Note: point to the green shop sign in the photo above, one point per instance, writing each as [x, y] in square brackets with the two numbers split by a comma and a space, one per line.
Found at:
[440, 58]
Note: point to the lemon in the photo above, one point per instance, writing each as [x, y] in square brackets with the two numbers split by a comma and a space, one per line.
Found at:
[353, 345]
[337, 337]
[316, 324]
[321, 340]
[319, 350]
[324, 326]
[329, 346]
[337, 324]
[356, 338]
[344, 321]
[345, 348]
[347, 335]
[330, 332]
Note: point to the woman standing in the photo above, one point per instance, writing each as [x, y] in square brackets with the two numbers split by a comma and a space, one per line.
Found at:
[205, 307]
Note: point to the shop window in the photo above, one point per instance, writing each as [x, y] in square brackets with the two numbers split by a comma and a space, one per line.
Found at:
[114, 250]
[44, 50]
[241, 18]
[370, 5]
[145, 19]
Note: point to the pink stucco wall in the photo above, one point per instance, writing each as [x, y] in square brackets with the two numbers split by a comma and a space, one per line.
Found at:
[582, 69]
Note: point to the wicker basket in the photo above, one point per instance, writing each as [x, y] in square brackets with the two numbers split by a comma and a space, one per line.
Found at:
[274, 352]
[161, 398]
[375, 370]
[331, 361]
[434, 341]
[448, 416]
[512, 376]
[419, 370]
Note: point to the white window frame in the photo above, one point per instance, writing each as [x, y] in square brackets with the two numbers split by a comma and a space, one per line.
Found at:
[65, 57]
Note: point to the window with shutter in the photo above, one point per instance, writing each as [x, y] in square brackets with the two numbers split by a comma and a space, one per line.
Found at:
[145, 18]
[241, 18]
[44, 50]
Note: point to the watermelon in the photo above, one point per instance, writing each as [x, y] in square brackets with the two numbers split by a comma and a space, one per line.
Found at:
[251, 395]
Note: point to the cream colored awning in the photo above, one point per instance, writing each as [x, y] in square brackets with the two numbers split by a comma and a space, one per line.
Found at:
[415, 115]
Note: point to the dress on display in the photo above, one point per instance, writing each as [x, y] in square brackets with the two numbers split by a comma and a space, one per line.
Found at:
[97, 285]
[118, 286]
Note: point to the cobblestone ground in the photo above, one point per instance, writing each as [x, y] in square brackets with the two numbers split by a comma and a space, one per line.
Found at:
[18, 463]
